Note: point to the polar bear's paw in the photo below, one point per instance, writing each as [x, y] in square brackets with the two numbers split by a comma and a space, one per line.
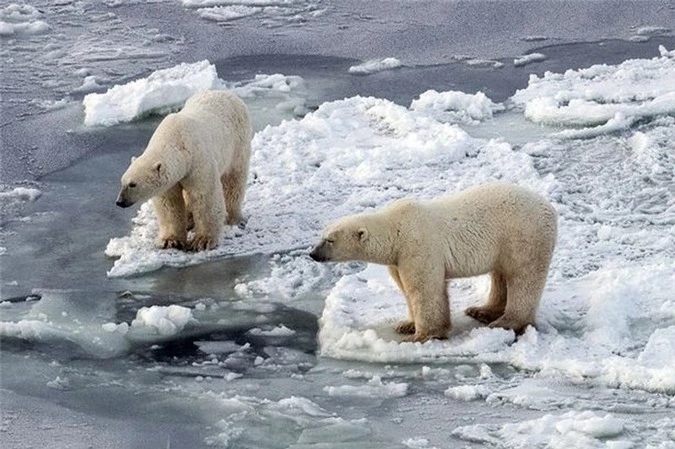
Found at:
[202, 243]
[171, 243]
[405, 327]
[421, 337]
[485, 315]
[517, 326]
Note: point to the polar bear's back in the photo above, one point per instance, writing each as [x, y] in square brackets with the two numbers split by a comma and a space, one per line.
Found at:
[494, 224]
[223, 104]
[215, 127]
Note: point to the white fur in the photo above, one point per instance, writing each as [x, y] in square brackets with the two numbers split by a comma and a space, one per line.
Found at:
[195, 169]
[495, 228]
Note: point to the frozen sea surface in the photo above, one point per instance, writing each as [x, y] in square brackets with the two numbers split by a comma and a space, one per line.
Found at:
[107, 342]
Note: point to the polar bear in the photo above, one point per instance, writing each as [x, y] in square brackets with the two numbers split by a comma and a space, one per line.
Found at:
[495, 228]
[195, 169]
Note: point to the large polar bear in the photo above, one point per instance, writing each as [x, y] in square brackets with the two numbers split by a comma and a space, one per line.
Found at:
[495, 228]
[195, 169]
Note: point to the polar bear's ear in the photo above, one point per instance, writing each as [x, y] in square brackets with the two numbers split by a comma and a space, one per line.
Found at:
[158, 167]
[362, 233]
[133, 159]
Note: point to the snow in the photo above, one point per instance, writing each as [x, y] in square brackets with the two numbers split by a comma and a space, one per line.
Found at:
[529, 59]
[375, 65]
[456, 107]
[605, 95]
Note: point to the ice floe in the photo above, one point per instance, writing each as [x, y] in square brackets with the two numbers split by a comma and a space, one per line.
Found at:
[529, 59]
[602, 97]
[167, 90]
[456, 107]
[375, 65]
[576, 429]
[161, 92]
[271, 13]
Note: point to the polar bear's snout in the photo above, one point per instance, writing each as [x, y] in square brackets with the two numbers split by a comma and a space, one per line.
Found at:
[122, 200]
[319, 252]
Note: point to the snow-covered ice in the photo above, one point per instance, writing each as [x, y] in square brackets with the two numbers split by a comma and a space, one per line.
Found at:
[577, 429]
[161, 92]
[167, 90]
[163, 320]
[375, 65]
[456, 107]
[612, 96]
[605, 311]
[279, 331]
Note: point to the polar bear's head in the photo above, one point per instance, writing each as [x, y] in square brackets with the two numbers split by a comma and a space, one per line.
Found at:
[364, 237]
[143, 179]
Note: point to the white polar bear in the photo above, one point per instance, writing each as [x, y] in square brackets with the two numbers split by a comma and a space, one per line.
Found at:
[495, 228]
[195, 169]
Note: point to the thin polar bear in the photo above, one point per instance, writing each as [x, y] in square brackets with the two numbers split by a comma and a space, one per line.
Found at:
[194, 169]
[495, 228]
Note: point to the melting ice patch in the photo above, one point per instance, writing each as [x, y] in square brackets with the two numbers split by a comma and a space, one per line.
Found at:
[346, 157]
[272, 13]
[62, 316]
[375, 65]
[603, 97]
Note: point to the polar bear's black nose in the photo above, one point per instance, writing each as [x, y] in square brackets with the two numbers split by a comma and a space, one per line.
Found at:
[317, 254]
[123, 203]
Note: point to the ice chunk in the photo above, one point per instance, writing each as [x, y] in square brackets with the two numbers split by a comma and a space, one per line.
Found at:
[456, 107]
[376, 65]
[610, 95]
[163, 320]
[529, 59]
[374, 388]
[161, 92]
[467, 392]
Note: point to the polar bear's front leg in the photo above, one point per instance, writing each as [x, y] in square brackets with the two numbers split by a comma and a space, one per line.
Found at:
[206, 204]
[425, 285]
[171, 217]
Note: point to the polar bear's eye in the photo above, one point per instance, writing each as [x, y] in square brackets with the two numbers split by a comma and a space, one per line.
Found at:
[330, 241]
[132, 184]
